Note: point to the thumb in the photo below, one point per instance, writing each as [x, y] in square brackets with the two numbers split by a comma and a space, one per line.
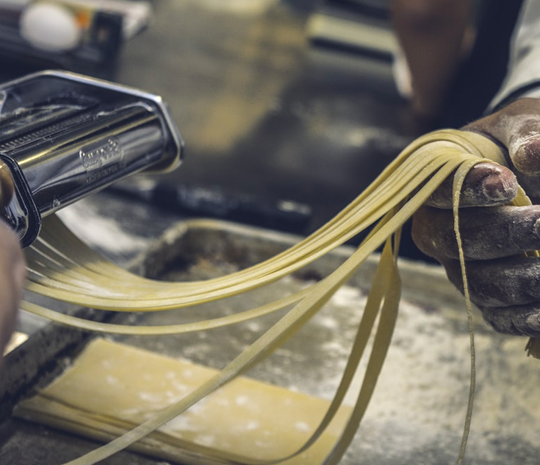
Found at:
[524, 145]
[517, 128]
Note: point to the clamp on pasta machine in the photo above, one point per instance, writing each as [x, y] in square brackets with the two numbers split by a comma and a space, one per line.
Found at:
[64, 136]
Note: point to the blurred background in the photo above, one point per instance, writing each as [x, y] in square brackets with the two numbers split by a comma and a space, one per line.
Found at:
[285, 105]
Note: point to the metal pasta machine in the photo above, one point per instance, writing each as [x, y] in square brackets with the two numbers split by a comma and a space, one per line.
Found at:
[64, 136]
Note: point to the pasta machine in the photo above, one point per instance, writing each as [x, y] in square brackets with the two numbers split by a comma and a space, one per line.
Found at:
[64, 136]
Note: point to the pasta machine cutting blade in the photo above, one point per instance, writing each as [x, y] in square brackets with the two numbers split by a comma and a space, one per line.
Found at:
[64, 136]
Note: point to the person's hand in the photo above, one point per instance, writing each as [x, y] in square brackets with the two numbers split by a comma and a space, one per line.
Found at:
[503, 283]
[12, 271]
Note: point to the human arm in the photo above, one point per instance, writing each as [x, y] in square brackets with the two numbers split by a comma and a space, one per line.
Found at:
[434, 37]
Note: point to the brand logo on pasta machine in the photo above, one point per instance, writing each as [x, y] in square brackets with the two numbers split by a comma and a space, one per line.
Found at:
[101, 154]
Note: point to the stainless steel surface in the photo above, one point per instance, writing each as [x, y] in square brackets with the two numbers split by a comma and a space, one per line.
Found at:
[108, 147]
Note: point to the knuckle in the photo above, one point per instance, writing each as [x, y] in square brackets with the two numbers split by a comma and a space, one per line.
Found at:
[514, 321]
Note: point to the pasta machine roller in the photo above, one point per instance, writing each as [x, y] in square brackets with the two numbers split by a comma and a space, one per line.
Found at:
[64, 136]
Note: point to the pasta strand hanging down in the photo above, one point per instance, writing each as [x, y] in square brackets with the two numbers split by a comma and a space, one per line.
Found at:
[61, 267]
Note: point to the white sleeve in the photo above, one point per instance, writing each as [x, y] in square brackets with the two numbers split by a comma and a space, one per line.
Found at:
[523, 76]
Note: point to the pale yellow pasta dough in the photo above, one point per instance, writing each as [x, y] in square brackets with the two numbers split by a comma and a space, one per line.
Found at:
[113, 387]
[63, 268]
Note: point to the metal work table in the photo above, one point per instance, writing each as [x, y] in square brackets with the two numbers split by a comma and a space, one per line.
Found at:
[417, 413]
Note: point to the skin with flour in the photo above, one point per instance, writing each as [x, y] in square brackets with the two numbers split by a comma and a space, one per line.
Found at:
[504, 284]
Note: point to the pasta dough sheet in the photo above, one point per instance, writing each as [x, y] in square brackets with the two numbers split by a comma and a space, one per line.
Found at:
[112, 388]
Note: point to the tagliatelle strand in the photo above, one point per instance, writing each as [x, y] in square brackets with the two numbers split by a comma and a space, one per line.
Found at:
[413, 167]
[459, 179]
[115, 298]
[184, 328]
[275, 336]
[63, 268]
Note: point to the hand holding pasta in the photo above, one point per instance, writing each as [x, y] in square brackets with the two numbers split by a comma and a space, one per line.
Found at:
[503, 282]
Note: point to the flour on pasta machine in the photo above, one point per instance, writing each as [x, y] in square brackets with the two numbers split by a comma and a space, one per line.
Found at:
[64, 136]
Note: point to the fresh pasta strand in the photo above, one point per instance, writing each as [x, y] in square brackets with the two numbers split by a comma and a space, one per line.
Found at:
[62, 267]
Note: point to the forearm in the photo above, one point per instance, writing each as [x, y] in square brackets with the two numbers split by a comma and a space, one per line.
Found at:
[523, 75]
[431, 33]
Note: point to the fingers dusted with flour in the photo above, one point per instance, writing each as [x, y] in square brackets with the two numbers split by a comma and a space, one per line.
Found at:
[486, 233]
[486, 185]
[517, 128]
[503, 282]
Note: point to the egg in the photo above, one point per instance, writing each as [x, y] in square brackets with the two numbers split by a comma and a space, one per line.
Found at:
[51, 27]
